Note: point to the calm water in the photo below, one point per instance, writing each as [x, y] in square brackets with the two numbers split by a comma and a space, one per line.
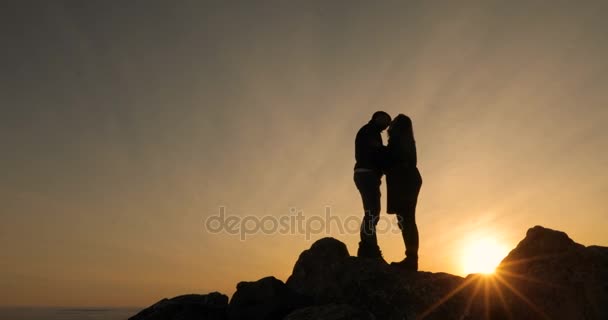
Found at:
[67, 313]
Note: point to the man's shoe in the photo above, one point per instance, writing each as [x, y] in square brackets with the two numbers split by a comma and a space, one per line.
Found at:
[370, 251]
[410, 264]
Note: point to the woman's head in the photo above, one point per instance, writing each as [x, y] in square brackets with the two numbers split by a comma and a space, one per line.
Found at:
[401, 126]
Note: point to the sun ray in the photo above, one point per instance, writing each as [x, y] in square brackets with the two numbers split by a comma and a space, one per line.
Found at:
[522, 297]
[445, 298]
[486, 298]
[501, 296]
[516, 262]
[471, 298]
[509, 274]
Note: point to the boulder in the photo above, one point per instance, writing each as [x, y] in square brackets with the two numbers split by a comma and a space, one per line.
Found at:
[265, 299]
[315, 273]
[210, 306]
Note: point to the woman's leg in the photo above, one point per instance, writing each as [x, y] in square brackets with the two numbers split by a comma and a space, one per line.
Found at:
[409, 230]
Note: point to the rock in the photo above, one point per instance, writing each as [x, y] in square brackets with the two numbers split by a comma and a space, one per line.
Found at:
[327, 274]
[321, 264]
[210, 306]
[548, 275]
[540, 242]
[330, 312]
[265, 299]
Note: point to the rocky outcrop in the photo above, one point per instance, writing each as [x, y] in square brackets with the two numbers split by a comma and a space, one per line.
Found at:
[265, 299]
[547, 276]
[191, 306]
[328, 274]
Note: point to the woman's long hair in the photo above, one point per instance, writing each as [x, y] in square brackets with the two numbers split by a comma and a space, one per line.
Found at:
[401, 140]
[401, 129]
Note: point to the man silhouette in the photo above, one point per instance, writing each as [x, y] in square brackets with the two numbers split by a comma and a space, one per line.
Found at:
[369, 156]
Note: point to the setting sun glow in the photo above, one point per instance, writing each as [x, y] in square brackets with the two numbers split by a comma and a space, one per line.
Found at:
[482, 256]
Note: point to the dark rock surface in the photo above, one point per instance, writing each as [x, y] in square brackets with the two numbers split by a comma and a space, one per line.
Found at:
[327, 274]
[265, 299]
[330, 312]
[210, 306]
[550, 276]
[547, 276]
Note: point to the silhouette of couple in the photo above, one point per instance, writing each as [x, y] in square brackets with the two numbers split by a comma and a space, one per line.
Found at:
[397, 161]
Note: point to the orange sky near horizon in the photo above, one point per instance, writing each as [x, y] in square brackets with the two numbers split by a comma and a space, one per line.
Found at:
[125, 126]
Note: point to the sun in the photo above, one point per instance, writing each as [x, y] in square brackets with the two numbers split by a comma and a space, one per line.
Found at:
[482, 256]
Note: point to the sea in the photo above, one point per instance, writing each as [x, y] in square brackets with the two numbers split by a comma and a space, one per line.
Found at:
[63, 313]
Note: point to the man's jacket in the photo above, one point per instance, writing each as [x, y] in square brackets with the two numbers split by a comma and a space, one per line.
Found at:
[369, 150]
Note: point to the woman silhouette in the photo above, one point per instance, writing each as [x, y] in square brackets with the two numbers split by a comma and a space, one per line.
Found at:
[403, 182]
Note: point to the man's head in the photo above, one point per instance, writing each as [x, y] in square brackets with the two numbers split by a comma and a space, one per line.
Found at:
[381, 119]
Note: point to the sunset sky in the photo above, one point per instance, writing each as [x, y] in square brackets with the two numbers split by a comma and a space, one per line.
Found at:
[124, 125]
